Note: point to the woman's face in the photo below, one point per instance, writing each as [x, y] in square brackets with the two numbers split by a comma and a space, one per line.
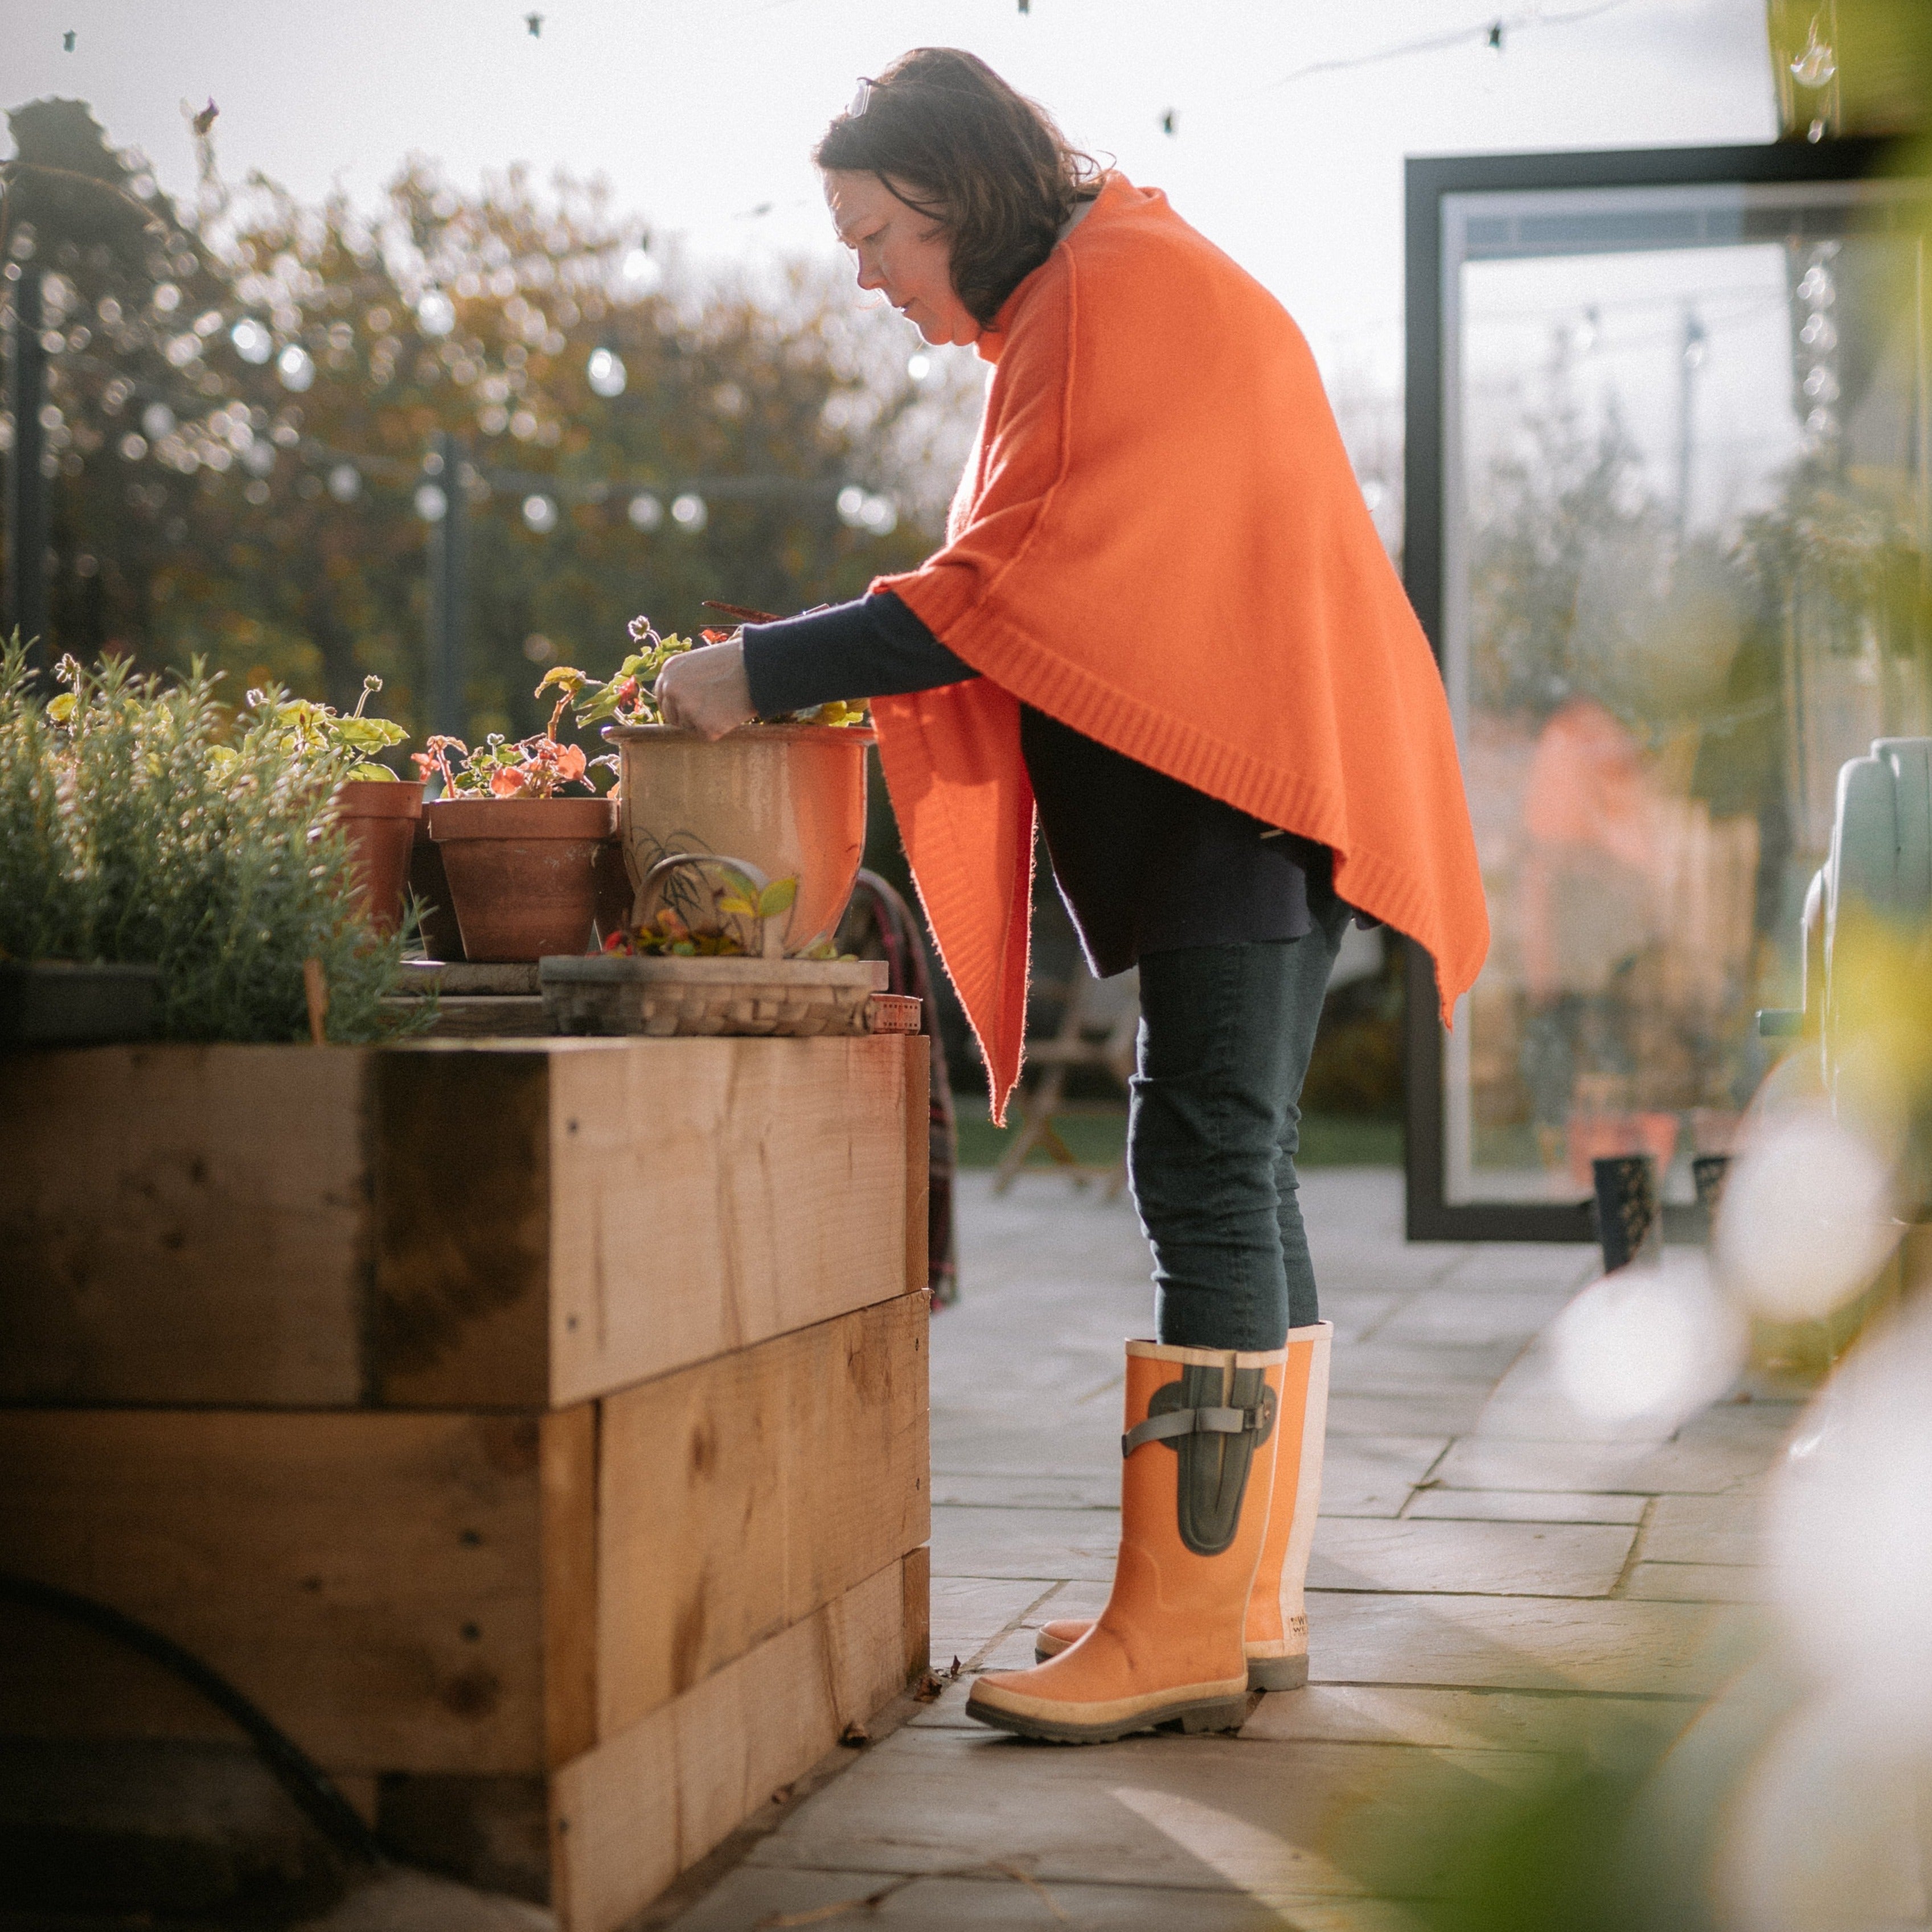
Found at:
[901, 251]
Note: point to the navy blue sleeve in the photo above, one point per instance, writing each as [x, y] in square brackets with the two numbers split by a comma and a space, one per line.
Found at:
[872, 647]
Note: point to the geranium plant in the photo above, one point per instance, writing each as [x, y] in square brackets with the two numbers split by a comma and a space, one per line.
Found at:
[630, 697]
[539, 766]
[318, 732]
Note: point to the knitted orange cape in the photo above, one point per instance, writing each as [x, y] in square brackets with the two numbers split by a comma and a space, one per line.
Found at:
[1158, 541]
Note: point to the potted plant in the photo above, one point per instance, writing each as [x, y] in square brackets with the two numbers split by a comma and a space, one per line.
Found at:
[153, 840]
[520, 850]
[788, 797]
[377, 809]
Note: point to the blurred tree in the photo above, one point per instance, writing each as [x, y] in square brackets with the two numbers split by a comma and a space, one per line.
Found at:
[246, 397]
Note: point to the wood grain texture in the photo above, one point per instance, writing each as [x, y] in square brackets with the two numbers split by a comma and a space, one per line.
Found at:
[567, 1474]
[627, 1817]
[183, 1223]
[507, 1225]
[371, 1581]
[462, 1210]
[738, 1497]
[918, 1160]
[706, 1194]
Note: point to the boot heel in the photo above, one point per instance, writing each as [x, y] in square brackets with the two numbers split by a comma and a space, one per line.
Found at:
[1277, 1673]
[1225, 1714]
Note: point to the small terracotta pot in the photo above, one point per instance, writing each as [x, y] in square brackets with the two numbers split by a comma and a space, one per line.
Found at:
[442, 937]
[522, 871]
[380, 815]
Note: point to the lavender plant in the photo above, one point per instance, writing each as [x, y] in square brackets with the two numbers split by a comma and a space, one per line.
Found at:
[141, 821]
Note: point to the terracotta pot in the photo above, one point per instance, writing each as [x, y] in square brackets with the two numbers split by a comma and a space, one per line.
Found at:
[522, 871]
[442, 937]
[615, 892]
[380, 816]
[789, 798]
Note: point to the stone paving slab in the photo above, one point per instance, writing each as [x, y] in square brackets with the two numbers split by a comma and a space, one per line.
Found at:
[1447, 1410]
[1702, 1529]
[1604, 1728]
[1223, 1814]
[1492, 1588]
[1698, 1583]
[1527, 1506]
[754, 1895]
[1538, 1559]
[1376, 1475]
[965, 1608]
[1537, 1643]
[1681, 1467]
[1045, 1544]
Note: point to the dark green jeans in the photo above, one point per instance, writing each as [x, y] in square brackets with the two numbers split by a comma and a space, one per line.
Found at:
[1213, 1130]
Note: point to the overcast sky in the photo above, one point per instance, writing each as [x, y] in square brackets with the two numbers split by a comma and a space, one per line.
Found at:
[701, 113]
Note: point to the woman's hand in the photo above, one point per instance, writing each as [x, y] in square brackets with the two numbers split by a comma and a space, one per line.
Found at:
[706, 690]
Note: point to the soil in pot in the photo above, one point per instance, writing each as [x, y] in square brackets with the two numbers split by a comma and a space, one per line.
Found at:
[380, 817]
[522, 871]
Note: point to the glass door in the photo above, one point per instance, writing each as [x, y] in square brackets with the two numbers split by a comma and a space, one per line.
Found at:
[1671, 552]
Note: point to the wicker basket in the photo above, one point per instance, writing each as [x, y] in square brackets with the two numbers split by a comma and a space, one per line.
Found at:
[665, 997]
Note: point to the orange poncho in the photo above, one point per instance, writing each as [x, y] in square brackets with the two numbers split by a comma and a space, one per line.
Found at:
[1158, 541]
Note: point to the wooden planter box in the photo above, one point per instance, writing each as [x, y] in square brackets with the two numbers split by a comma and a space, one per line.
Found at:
[536, 1431]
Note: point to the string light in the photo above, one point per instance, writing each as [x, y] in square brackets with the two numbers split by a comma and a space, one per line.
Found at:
[606, 373]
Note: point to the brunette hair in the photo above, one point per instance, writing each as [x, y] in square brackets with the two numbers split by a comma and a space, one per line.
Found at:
[951, 140]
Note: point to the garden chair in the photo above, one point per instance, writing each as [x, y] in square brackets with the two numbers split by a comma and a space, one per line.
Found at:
[1098, 1021]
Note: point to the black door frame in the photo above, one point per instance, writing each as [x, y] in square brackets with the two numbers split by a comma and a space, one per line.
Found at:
[1428, 180]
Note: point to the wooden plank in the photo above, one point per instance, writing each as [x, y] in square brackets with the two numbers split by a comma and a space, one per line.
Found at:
[462, 1212]
[918, 1160]
[183, 1223]
[567, 1474]
[738, 1497]
[706, 1194]
[371, 1580]
[516, 1225]
[915, 1613]
[628, 1816]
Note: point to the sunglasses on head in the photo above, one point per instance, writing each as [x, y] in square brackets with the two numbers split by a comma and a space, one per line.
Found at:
[862, 99]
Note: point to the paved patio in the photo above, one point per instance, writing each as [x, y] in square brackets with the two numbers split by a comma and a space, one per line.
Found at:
[1486, 1588]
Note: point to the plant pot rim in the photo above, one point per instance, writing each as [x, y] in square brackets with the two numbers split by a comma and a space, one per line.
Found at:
[378, 798]
[573, 818]
[746, 734]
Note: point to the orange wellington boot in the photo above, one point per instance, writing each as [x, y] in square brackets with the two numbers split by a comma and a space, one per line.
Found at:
[1168, 1648]
[1276, 1639]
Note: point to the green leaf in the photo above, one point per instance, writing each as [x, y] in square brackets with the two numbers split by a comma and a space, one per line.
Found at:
[372, 772]
[777, 897]
[741, 906]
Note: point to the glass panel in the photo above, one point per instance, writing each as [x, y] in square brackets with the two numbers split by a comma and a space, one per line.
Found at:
[1686, 526]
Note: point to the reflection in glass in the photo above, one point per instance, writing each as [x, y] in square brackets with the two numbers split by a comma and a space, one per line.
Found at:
[1687, 521]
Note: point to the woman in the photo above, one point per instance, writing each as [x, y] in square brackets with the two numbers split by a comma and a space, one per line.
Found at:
[1163, 622]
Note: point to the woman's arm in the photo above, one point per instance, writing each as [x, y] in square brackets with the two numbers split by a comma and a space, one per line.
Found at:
[872, 647]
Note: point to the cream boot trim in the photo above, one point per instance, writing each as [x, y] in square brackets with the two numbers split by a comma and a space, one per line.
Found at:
[1214, 1358]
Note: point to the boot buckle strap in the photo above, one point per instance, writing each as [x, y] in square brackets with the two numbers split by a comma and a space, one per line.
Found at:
[1177, 1422]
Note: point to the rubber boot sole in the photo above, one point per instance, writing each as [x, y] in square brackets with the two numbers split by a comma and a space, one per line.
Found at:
[1218, 1713]
[1264, 1673]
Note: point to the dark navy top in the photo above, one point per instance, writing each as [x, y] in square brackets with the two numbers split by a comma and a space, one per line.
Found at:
[1144, 862]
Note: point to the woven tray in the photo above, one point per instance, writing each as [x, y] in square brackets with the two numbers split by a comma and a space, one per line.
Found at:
[663, 998]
